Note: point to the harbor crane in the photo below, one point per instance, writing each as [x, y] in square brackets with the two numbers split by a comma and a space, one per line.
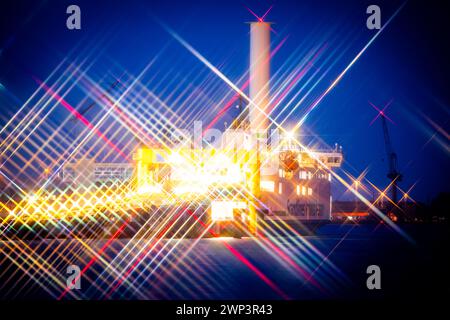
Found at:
[393, 173]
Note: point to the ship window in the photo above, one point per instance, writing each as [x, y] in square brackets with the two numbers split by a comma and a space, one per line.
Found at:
[280, 188]
[303, 175]
[309, 191]
[298, 190]
[267, 185]
[303, 190]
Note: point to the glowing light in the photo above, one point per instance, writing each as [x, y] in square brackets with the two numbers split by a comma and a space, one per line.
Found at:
[194, 188]
[290, 135]
[221, 238]
[381, 112]
[223, 210]
[267, 185]
[393, 217]
[147, 188]
[33, 198]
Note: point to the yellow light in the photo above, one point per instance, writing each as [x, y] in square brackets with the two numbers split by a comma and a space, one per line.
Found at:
[147, 188]
[223, 210]
[33, 198]
[290, 135]
[190, 188]
[175, 157]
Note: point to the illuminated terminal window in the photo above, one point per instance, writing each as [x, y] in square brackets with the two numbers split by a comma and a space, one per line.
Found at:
[303, 175]
[309, 191]
[298, 190]
[322, 176]
[303, 190]
[267, 185]
[280, 188]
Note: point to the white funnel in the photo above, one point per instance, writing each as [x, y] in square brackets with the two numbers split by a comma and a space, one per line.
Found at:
[259, 76]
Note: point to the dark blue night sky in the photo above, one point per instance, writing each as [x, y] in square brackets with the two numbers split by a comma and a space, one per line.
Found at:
[408, 63]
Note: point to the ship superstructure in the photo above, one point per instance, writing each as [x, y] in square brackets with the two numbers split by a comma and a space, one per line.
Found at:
[246, 179]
